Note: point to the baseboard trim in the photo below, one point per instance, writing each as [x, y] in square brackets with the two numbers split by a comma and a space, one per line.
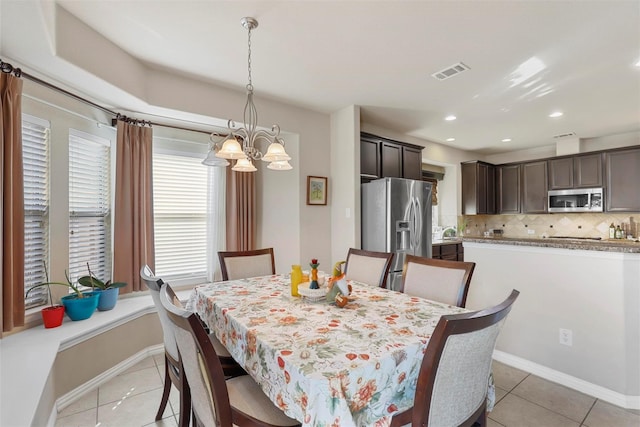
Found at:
[70, 397]
[613, 397]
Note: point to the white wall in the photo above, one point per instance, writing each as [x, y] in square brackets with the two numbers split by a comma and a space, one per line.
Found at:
[594, 294]
[345, 180]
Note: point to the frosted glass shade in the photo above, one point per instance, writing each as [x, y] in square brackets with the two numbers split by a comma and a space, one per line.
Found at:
[244, 165]
[282, 165]
[275, 153]
[212, 160]
[231, 149]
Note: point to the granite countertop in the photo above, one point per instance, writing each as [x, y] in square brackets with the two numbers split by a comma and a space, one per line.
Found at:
[441, 242]
[625, 246]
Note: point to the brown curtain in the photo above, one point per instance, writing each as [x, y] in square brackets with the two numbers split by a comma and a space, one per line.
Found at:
[133, 217]
[12, 202]
[241, 210]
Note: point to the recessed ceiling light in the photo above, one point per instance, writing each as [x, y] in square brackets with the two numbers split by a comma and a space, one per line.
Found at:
[506, 140]
[638, 63]
[556, 114]
[450, 139]
[450, 118]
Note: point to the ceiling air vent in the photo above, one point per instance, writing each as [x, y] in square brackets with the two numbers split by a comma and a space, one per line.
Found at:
[565, 135]
[450, 71]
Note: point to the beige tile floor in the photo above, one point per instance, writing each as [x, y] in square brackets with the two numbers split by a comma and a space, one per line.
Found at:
[523, 400]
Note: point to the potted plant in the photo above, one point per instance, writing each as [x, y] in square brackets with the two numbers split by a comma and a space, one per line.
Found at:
[108, 291]
[78, 305]
[51, 316]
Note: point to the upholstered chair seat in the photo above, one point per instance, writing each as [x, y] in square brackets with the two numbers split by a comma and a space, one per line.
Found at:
[368, 267]
[438, 280]
[245, 264]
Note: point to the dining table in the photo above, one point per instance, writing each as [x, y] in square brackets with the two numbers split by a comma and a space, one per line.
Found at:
[322, 364]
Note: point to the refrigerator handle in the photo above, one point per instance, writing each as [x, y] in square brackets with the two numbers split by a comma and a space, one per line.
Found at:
[417, 224]
[412, 230]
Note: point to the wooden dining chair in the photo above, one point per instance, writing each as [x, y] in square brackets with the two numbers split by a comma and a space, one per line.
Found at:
[454, 375]
[172, 367]
[436, 279]
[369, 267]
[238, 401]
[245, 264]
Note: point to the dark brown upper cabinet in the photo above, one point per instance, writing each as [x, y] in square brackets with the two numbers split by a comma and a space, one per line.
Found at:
[412, 163]
[584, 171]
[478, 188]
[508, 197]
[370, 157]
[391, 160]
[382, 157]
[623, 180]
[534, 187]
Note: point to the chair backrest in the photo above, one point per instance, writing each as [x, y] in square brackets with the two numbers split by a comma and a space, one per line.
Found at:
[454, 375]
[245, 264]
[201, 366]
[368, 267]
[436, 279]
[155, 285]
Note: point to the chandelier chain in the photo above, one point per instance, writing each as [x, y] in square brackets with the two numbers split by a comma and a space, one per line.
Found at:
[250, 85]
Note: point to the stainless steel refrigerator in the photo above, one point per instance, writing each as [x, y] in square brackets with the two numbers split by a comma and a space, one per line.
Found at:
[396, 217]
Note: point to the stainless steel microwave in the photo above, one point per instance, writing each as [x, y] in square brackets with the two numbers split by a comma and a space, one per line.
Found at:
[576, 200]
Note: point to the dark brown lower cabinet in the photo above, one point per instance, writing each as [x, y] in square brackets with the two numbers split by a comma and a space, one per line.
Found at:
[451, 251]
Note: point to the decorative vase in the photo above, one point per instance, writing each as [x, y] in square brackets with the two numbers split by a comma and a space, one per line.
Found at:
[108, 298]
[314, 274]
[80, 308]
[52, 316]
[296, 279]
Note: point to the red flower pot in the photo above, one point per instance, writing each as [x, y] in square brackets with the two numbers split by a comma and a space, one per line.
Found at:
[52, 316]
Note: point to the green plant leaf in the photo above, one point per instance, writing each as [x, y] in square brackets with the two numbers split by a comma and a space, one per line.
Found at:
[92, 282]
[117, 285]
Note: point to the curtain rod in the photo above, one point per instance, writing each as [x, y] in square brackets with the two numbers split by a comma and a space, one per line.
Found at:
[7, 68]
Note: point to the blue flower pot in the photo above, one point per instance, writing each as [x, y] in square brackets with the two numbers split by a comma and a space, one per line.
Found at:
[80, 308]
[108, 299]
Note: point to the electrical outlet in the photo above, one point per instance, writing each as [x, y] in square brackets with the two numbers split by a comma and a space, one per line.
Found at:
[531, 231]
[566, 337]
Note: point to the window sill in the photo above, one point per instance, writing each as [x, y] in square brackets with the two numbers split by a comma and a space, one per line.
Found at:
[27, 357]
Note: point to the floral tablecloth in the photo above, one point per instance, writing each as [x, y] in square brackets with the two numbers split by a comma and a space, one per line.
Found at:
[324, 365]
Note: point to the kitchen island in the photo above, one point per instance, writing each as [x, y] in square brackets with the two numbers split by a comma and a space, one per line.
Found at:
[577, 321]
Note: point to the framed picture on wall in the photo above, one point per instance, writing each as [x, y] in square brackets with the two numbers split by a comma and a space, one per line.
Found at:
[316, 190]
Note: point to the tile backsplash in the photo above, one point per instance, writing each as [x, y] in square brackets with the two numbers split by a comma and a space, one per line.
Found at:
[549, 225]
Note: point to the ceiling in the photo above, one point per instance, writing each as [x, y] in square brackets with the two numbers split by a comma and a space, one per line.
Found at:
[526, 60]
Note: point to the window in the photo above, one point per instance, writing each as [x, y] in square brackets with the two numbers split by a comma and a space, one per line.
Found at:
[182, 190]
[89, 205]
[35, 159]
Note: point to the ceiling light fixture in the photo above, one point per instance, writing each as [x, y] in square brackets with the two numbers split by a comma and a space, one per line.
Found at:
[248, 134]
[556, 114]
[506, 140]
[450, 139]
[450, 118]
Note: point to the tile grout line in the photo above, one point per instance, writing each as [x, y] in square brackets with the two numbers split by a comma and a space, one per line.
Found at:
[588, 412]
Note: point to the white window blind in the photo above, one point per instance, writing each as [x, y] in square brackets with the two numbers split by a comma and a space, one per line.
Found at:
[180, 214]
[89, 205]
[35, 160]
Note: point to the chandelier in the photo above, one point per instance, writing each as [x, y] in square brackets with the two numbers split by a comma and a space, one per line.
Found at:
[240, 143]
